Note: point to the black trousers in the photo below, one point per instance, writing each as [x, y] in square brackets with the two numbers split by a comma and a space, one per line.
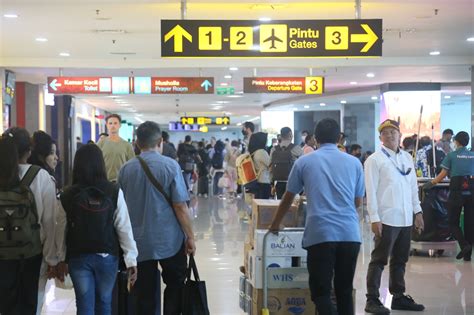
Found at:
[394, 243]
[19, 286]
[328, 260]
[173, 273]
[280, 188]
[456, 202]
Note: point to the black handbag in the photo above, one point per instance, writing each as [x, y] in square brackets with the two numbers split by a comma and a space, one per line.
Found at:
[194, 292]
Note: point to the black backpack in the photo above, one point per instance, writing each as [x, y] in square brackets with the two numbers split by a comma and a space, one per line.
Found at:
[19, 227]
[217, 160]
[90, 224]
[186, 159]
[282, 162]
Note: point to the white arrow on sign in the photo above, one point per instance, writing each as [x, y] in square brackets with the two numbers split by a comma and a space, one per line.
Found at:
[54, 84]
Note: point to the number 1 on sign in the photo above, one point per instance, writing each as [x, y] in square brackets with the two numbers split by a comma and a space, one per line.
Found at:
[210, 38]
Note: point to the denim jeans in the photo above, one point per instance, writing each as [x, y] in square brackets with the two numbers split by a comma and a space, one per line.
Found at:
[93, 277]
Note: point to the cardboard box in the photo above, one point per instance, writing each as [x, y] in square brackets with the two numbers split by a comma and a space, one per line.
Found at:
[264, 210]
[256, 267]
[283, 244]
[288, 278]
[284, 302]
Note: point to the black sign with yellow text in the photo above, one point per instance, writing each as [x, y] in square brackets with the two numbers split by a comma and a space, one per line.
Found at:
[205, 120]
[253, 38]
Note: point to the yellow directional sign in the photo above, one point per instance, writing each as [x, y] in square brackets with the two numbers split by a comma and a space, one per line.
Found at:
[178, 33]
[205, 120]
[288, 38]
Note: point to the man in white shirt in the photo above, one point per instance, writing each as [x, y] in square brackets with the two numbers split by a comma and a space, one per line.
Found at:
[392, 200]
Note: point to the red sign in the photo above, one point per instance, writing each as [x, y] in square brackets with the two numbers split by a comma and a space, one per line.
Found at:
[186, 85]
[79, 85]
[289, 85]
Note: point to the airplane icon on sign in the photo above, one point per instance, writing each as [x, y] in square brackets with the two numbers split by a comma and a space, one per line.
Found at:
[273, 39]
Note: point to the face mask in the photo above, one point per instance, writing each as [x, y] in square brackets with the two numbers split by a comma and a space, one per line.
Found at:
[244, 132]
[358, 155]
[303, 139]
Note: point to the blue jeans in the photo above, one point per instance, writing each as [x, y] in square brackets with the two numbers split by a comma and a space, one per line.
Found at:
[93, 277]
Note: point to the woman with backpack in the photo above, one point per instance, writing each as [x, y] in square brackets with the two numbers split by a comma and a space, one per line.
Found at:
[261, 160]
[98, 226]
[217, 163]
[44, 155]
[27, 203]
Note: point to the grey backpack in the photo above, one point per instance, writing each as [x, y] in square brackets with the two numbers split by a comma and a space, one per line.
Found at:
[19, 227]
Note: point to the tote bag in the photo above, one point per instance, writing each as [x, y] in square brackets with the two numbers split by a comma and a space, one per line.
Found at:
[194, 292]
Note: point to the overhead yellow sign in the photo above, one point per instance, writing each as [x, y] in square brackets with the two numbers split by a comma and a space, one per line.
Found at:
[205, 120]
[293, 38]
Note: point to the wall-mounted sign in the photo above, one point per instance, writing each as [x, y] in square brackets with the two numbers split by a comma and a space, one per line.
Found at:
[79, 85]
[184, 85]
[205, 120]
[288, 85]
[287, 38]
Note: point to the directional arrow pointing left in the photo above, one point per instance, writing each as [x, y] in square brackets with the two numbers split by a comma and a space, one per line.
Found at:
[206, 85]
[54, 84]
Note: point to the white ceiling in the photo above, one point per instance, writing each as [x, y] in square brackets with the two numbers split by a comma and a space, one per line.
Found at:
[412, 30]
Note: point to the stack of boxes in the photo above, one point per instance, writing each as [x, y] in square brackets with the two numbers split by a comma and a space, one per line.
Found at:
[288, 291]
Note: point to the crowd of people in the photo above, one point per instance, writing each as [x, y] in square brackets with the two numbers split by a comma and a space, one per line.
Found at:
[105, 220]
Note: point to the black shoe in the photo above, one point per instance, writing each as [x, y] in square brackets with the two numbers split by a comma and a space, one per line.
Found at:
[467, 257]
[464, 251]
[374, 306]
[406, 303]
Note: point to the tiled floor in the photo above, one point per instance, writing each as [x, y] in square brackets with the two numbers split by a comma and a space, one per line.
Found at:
[445, 286]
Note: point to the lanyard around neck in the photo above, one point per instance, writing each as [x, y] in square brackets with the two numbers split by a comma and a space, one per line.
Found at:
[402, 172]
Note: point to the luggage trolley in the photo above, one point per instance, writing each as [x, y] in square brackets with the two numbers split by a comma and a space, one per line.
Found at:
[302, 284]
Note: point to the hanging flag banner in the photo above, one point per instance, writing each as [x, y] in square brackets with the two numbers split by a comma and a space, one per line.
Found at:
[286, 38]
[285, 85]
[184, 85]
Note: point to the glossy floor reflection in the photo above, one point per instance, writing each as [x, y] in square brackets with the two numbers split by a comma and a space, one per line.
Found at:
[445, 286]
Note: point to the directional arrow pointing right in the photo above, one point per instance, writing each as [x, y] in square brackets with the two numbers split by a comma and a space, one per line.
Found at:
[369, 38]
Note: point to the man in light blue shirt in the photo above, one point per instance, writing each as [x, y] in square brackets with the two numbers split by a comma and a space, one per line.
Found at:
[163, 233]
[334, 185]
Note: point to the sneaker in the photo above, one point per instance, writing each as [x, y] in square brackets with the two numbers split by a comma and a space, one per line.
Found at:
[374, 306]
[406, 303]
[464, 251]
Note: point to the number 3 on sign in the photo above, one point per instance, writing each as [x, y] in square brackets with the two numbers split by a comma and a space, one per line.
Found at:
[314, 85]
[337, 37]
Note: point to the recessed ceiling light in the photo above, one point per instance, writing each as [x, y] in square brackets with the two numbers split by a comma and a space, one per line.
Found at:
[470, 39]
[265, 19]
[228, 76]
[64, 54]
[374, 98]
[306, 106]
[10, 15]
[343, 102]
[353, 83]
[435, 53]
[224, 84]
[447, 97]
[239, 124]
[223, 102]
[370, 75]
[233, 68]
[235, 96]
[467, 93]
[224, 128]
[322, 104]
[124, 105]
[41, 39]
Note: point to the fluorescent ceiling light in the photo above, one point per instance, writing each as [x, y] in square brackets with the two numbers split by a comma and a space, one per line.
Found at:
[353, 83]
[235, 96]
[246, 116]
[467, 93]
[10, 15]
[239, 124]
[233, 68]
[343, 102]
[224, 128]
[374, 98]
[265, 19]
[64, 54]
[322, 104]
[228, 76]
[370, 75]
[41, 39]
[435, 53]
[447, 97]
[224, 84]
[470, 39]
[223, 102]
[306, 106]
[138, 115]
[139, 120]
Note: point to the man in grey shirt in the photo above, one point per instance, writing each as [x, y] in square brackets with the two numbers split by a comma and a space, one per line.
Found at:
[162, 228]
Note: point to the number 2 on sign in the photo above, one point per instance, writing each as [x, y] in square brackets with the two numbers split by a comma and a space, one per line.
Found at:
[314, 85]
[241, 38]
